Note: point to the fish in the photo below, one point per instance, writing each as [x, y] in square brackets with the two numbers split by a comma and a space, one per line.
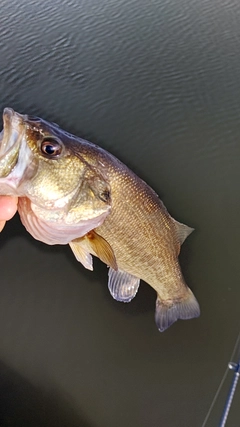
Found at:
[72, 191]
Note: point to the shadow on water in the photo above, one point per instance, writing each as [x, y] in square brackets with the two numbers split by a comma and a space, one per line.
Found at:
[144, 300]
[24, 405]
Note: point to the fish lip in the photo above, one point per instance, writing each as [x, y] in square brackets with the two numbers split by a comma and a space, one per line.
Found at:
[10, 140]
[12, 129]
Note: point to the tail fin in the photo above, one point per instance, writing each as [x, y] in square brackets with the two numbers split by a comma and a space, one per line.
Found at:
[166, 314]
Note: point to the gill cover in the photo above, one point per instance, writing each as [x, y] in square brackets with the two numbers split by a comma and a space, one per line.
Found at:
[62, 194]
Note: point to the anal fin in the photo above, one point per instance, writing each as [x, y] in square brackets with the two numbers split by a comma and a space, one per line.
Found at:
[122, 285]
[167, 313]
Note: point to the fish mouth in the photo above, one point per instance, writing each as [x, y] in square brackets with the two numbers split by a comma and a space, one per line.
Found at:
[10, 140]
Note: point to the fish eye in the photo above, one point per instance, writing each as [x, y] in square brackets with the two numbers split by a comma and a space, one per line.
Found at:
[51, 147]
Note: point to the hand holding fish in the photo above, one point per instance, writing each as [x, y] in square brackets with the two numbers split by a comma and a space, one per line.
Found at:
[73, 192]
[8, 208]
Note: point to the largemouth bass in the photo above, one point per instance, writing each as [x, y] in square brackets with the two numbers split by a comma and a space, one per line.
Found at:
[73, 192]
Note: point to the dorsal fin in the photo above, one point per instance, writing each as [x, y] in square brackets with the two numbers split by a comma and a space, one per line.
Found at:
[182, 230]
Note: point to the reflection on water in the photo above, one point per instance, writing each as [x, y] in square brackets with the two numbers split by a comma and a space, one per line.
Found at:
[156, 83]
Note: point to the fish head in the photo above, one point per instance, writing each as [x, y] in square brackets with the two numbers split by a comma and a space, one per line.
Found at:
[49, 168]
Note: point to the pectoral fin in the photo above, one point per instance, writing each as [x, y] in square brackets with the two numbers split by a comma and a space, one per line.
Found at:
[93, 243]
[101, 248]
[122, 285]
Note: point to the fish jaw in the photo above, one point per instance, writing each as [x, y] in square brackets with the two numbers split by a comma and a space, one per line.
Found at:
[16, 159]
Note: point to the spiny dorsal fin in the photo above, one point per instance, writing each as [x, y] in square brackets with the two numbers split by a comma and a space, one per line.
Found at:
[182, 230]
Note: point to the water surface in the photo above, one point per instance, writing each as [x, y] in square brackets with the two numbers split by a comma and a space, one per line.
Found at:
[157, 84]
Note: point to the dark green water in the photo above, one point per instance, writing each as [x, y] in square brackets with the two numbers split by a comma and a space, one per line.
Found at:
[157, 83]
